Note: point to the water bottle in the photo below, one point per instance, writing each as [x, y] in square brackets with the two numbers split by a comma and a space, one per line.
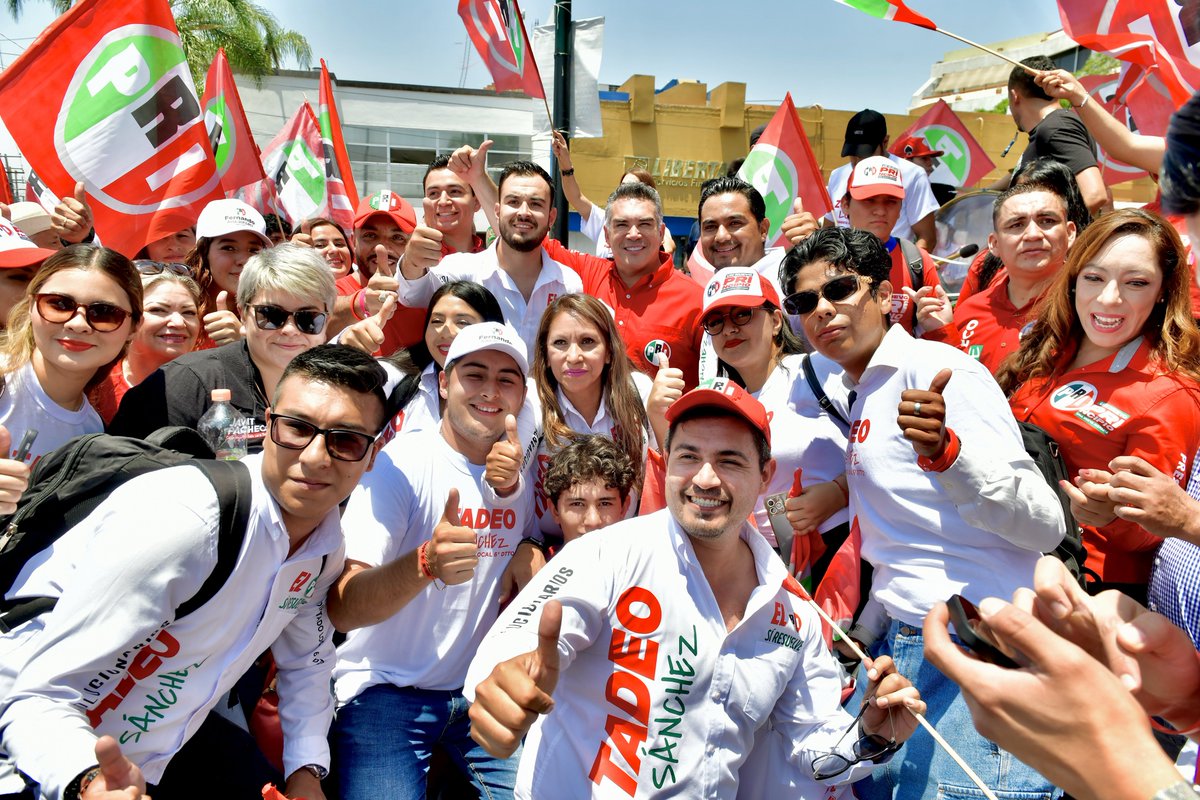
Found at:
[222, 428]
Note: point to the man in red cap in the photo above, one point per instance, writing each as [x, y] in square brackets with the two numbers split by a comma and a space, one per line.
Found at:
[382, 226]
[19, 260]
[672, 640]
[918, 151]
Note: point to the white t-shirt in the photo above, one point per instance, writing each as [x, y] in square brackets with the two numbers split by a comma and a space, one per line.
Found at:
[24, 404]
[802, 435]
[429, 642]
[918, 196]
[593, 228]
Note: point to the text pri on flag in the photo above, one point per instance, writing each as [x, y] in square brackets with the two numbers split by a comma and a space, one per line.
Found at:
[293, 161]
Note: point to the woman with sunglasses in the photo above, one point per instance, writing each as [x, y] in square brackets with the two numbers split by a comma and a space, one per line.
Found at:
[228, 234]
[756, 348]
[80, 310]
[284, 296]
[586, 384]
[170, 324]
[1112, 368]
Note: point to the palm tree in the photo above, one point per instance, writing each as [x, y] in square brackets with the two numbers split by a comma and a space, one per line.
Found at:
[254, 41]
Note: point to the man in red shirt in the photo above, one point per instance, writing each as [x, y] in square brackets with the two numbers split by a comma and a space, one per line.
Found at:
[874, 196]
[1031, 236]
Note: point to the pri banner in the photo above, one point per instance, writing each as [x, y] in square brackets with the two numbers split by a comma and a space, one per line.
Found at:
[339, 177]
[104, 96]
[496, 28]
[238, 160]
[781, 166]
[964, 162]
[293, 162]
[1159, 39]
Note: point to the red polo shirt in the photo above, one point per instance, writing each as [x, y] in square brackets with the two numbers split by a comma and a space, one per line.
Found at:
[660, 313]
[1109, 409]
[987, 326]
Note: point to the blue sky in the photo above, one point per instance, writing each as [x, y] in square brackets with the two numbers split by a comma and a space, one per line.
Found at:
[820, 51]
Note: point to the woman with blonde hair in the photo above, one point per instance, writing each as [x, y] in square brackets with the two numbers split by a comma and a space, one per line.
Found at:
[1111, 368]
[586, 384]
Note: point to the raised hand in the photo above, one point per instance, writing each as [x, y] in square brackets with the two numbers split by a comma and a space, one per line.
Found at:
[503, 466]
[668, 387]
[223, 324]
[14, 475]
[424, 251]
[798, 225]
[72, 217]
[933, 306]
[119, 778]
[453, 552]
[470, 162]
[922, 416]
[367, 334]
[510, 699]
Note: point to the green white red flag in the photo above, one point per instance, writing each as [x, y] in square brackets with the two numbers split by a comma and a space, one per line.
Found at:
[238, 160]
[964, 159]
[498, 32]
[339, 177]
[293, 163]
[890, 9]
[104, 96]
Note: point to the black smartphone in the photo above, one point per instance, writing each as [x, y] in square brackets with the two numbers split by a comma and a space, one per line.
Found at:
[970, 631]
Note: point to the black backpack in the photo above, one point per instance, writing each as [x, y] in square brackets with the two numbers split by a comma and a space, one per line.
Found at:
[69, 483]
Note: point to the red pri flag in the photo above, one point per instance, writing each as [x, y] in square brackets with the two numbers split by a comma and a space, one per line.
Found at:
[339, 177]
[890, 9]
[962, 155]
[104, 96]
[1159, 39]
[1106, 90]
[6, 195]
[496, 28]
[229, 136]
[781, 166]
[293, 163]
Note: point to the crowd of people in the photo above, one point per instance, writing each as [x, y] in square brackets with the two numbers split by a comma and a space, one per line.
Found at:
[517, 520]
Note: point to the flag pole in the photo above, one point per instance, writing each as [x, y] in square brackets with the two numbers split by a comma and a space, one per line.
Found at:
[988, 50]
[549, 116]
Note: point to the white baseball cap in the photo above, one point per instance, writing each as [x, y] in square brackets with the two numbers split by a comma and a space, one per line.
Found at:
[875, 176]
[489, 336]
[31, 218]
[16, 249]
[221, 217]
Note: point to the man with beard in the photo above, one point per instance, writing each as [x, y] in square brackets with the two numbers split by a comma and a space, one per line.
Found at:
[522, 276]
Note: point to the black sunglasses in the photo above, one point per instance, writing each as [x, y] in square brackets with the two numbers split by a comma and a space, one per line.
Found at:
[868, 747]
[296, 434]
[272, 318]
[100, 317]
[834, 291]
[147, 267]
[714, 323]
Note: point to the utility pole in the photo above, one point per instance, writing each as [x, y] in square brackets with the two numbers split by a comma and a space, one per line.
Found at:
[564, 45]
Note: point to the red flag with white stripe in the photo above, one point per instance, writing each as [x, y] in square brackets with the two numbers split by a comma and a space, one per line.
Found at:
[238, 161]
[498, 32]
[340, 191]
[965, 159]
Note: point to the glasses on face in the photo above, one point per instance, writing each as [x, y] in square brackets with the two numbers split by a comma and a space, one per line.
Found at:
[296, 434]
[868, 747]
[100, 317]
[272, 318]
[147, 267]
[834, 291]
[715, 323]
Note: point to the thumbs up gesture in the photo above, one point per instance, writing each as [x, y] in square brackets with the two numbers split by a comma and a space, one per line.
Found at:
[14, 475]
[223, 324]
[922, 417]
[119, 777]
[72, 217]
[668, 387]
[452, 552]
[518, 690]
[470, 162]
[798, 225]
[503, 466]
[367, 335]
[424, 250]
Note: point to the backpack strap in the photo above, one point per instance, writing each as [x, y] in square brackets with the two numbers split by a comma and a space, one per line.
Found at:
[231, 480]
[916, 268]
[818, 392]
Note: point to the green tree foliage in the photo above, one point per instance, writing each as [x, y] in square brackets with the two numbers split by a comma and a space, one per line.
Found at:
[1099, 64]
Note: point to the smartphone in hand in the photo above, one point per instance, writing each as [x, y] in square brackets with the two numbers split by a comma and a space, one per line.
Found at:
[971, 631]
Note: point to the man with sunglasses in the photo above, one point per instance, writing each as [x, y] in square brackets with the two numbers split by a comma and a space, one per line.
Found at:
[677, 653]
[103, 690]
[941, 488]
[429, 537]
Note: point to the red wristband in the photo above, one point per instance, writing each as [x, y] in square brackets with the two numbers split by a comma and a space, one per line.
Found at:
[423, 560]
[948, 456]
[358, 305]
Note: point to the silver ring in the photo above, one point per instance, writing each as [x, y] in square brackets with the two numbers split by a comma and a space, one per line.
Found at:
[916, 409]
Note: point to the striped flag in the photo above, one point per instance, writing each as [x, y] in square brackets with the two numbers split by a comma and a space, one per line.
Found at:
[496, 28]
[238, 160]
[339, 178]
[890, 9]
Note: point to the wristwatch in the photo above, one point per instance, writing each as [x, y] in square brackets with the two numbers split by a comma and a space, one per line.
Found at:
[317, 771]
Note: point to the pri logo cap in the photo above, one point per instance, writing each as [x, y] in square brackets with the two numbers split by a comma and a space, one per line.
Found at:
[724, 394]
[738, 287]
[389, 203]
[876, 176]
[222, 217]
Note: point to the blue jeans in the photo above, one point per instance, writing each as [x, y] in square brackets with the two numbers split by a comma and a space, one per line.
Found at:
[922, 770]
[383, 738]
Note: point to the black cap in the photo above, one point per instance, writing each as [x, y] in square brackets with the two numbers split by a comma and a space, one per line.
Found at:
[756, 134]
[864, 133]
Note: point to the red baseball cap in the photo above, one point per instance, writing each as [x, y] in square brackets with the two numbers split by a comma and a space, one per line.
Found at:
[734, 287]
[16, 249]
[392, 205]
[724, 394]
[875, 176]
[913, 147]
